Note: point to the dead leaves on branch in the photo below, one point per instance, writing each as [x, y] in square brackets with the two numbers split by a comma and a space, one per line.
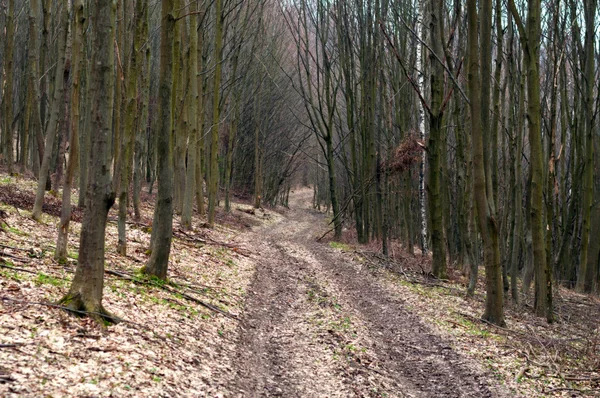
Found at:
[407, 154]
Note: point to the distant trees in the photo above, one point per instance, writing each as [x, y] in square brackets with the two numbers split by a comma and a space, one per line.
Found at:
[518, 149]
[465, 128]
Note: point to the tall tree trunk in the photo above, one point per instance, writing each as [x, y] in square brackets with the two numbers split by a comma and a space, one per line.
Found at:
[142, 125]
[421, 123]
[213, 186]
[31, 121]
[434, 146]
[488, 228]
[54, 114]
[178, 112]
[229, 161]
[588, 173]
[84, 136]
[162, 224]
[129, 132]
[85, 293]
[190, 183]
[76, 62]
[531, 38]
[8, 87]
[201, 117]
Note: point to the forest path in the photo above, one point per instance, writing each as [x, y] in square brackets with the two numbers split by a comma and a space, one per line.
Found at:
[318, 324]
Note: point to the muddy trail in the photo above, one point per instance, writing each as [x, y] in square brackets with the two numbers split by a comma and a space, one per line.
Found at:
[319, 324]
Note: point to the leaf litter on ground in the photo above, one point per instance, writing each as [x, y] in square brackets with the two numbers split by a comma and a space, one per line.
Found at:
[177, 336]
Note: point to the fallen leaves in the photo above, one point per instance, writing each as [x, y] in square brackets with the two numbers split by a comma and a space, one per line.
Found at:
[177, 339]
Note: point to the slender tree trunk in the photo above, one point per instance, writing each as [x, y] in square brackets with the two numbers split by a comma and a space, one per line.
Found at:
[8, 87]
[76, 61]
[421, 123]
[588, 174]
[85, 136]
[201, 117]
[178, 112]
[190, 184]
[31, 122]
[54, 114]
[335, 206]
[531, 38]
[257, 168]
[129, 132]
[488, 228]
[434, 147]
[229, 160]
[213, 189]
[162, 225]
[142, 125]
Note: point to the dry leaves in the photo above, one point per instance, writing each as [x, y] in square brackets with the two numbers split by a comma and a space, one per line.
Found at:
[173, 346]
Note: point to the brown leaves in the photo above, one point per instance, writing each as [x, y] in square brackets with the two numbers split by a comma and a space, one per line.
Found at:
[12, 195]
[408, 153]
[52, 352]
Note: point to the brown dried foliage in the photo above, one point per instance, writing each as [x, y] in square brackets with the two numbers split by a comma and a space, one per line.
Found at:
[406, 154]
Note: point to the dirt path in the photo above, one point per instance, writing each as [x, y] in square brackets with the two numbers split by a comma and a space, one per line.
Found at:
[320, 325]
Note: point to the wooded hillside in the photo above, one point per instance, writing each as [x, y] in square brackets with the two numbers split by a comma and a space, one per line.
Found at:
[461, 134]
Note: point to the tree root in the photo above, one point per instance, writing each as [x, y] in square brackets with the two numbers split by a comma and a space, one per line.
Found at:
[78, 306]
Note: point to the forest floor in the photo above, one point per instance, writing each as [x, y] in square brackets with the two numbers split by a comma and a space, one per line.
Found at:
[258, 307]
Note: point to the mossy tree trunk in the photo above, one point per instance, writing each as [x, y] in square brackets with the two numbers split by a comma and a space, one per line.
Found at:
[530, 35]
[85, 293]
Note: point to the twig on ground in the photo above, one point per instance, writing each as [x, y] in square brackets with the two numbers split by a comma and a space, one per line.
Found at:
[170, 290]
[3, 298]
[4, 265]
[521, 373]
[185, 235]
[12, 345]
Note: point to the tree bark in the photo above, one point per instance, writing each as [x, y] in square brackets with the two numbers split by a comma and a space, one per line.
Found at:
[85, 293]
[162, 225]
[76, 61]
[8, 87]
[494, 311]
[54, 114]
[213, 186]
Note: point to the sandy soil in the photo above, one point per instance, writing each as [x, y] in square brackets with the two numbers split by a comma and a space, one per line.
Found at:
[318, 324]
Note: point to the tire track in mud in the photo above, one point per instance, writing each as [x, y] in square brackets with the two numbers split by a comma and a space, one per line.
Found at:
[281, 352]
[278, 354]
